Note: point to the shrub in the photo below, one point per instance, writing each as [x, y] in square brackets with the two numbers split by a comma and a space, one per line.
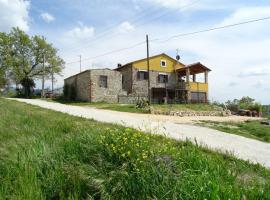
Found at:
[245, 103]
[142, 104]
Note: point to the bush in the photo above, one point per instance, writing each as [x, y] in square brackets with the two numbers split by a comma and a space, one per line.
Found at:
[245, 103]
[142, 104]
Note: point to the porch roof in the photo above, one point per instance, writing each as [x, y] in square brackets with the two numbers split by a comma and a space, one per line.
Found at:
[195, 68]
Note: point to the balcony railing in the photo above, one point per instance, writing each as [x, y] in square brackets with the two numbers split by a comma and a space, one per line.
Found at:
[192, 86]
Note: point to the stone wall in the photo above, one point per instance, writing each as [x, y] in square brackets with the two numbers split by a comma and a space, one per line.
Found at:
[114, 86]
[190, 113]
[129, 99]
[127, 78]
[140, 87]
[80, 82]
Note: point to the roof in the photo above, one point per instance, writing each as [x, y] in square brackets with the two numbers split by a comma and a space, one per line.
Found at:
[194, 68]
[88, 70]
[162, 54]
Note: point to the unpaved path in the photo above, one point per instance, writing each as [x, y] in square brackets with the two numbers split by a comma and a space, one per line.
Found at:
[243, 148]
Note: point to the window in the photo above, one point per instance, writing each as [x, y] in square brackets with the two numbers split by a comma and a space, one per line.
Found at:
[163, 63]
[163, 78]
[142, 75]
[103, 81]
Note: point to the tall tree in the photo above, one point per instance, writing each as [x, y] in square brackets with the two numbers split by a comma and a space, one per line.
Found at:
[5, 58]
[27, 56]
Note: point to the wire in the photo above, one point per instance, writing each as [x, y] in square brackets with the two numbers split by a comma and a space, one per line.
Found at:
[106, 31]
[213, 29]
[108, 53]
[174, 36]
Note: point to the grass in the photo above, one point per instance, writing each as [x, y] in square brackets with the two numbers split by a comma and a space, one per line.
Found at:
[51, 155]
[103, 105]
[132, 108]
[250, 129]
[187, 107]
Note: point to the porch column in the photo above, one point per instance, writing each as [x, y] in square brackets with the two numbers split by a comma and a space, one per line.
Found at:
[206, 77]
[187, 85]
[194, 77]
[187, 75]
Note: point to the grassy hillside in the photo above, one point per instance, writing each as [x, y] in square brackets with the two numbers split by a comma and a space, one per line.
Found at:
[50, 155]
[250, 129]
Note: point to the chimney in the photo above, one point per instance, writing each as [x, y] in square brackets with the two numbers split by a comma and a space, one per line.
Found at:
[119, 65]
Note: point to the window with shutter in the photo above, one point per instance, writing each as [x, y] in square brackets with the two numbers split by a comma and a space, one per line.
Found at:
[163, 78]
[103, 81]
[142, 75]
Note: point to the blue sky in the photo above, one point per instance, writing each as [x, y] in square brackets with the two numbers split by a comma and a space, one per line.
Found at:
[239, 56]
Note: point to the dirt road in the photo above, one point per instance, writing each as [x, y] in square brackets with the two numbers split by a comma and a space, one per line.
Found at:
[177, 128]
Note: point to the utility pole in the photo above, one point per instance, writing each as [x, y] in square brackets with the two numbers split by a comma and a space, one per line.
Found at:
[80, 63]
[148, 70]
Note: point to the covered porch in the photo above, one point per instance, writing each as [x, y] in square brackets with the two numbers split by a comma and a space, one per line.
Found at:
[197, 92]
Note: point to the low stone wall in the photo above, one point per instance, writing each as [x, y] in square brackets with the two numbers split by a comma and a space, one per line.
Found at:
[129, 99]
[190, 113]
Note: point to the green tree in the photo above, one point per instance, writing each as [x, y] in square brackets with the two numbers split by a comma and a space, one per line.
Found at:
[5, 58]
[26, 56]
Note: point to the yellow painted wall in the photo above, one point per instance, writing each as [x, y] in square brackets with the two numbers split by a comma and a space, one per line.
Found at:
[155, 64]
[202, 87]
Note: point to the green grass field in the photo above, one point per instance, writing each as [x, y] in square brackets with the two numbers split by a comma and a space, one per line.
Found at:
[50, 155]
[250, 129]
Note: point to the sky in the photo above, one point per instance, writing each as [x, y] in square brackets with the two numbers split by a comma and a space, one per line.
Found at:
[238, 56]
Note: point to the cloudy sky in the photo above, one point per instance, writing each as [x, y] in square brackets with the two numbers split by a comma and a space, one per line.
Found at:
[238, 56]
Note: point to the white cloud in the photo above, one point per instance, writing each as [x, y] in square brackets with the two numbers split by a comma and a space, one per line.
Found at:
[14, 13]
[171, 3]
[257, 71]
[47, 17]
[248, 13]
[125, 27]
[81, 32]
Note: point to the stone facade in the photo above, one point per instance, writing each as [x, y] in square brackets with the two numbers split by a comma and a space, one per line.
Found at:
[140, 87]
[88, 86]
[137, 87]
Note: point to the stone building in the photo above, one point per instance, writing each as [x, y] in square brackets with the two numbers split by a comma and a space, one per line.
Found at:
[95, 85]
[170, 80]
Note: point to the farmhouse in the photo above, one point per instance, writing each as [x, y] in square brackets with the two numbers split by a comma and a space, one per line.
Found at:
[94, 85]
[167, 81]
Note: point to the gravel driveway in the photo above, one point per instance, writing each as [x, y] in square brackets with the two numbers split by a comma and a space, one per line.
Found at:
[243, 148]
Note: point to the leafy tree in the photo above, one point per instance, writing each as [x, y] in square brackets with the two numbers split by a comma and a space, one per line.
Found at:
[247, 100]
[5, 52]
[26, 56]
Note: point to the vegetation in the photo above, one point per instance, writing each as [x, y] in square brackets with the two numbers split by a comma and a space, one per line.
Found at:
[250, 129]
[50, 155]
[187, 107]
[266, 111]
[141, 106]
[22, 57]
[103, 105]
[246, 103]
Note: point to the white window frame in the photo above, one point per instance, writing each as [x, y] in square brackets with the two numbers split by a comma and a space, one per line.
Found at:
[165, 63]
